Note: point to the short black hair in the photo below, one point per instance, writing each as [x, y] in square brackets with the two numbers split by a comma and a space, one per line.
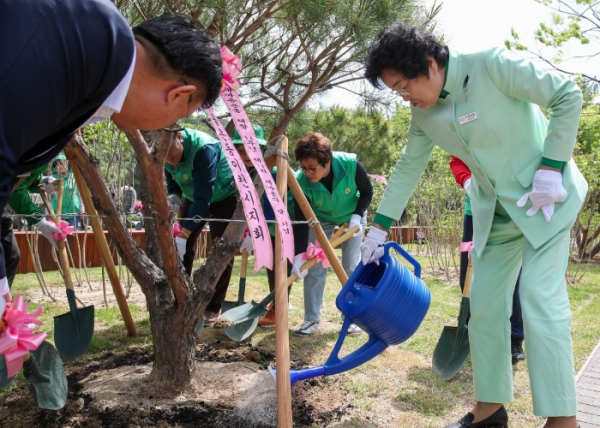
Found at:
[403, 48]
[314, 145]
[187, 48]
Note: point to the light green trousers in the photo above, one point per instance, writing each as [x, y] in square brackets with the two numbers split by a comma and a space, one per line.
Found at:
[546, 318]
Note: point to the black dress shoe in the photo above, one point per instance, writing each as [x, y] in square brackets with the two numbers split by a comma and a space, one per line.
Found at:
[516, 350]
[499, 419]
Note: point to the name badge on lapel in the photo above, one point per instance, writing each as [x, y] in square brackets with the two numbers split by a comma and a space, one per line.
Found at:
[467, 118]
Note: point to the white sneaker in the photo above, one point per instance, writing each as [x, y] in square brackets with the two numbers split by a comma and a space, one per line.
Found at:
[308, 327]
[353, 329]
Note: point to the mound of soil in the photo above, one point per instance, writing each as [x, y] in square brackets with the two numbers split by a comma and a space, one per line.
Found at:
[231, 388]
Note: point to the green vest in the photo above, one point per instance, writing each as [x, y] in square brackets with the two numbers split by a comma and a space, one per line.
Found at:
[70, 200]
[183, 172]
[336, 207]
[20, 201]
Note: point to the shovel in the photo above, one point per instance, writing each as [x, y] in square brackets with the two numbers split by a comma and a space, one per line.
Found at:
[44, 370]
[245, 317]
[73, 331]
[226, 306]
[452, 349]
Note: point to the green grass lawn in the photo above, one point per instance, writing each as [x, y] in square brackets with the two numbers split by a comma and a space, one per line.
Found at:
[399, 381]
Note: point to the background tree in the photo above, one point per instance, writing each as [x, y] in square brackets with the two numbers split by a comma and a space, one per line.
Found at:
[572, 21]
[292, 51]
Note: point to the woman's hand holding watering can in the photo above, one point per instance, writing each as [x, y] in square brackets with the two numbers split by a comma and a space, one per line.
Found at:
[371, 249]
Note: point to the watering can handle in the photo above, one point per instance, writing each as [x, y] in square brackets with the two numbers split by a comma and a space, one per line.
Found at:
[403, 253]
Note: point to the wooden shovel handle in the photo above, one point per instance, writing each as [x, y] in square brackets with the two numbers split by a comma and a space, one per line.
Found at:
[468, 279]
[49, 206]
[63, 257]
[59, 196]
[244, 267]
[335, 241]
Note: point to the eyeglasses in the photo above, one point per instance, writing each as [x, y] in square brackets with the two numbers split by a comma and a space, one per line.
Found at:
[403, 92]
[174, 128]
[310, 171]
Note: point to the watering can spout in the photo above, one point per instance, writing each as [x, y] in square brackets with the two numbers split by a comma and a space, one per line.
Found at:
[298, 375]
[334, 364]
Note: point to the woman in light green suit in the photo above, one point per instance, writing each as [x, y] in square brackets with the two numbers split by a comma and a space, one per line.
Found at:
[526, 191]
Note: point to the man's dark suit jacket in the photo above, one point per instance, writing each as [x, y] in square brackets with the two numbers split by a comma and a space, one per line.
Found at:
[59, 61]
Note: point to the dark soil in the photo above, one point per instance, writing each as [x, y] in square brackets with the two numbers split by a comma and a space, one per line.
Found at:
[315, 402]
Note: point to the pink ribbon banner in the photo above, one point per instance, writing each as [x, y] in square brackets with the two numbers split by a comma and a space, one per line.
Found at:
[18, 337]
[257, 224]
[315, 250]
[245, 130]
[231, 70]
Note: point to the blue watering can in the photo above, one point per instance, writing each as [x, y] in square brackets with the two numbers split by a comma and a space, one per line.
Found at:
[387, 301]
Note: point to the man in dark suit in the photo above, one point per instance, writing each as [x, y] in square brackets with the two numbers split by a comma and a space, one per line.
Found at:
[67, 63]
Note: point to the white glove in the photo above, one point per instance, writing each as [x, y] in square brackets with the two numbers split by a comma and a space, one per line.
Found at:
[355, 220]
[467, 187]
[47, 227]
[546, 189]
[174, 203]
[46, 184]
[181, 244]
[298, 262]
[247, 244]
[371, 249]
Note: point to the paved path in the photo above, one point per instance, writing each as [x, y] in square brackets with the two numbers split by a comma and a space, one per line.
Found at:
[588, 391]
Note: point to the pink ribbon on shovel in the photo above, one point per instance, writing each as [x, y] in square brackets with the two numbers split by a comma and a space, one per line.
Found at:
[18, 338]
[466, 247]
[65, 230]
[177, 228]
[315, 250]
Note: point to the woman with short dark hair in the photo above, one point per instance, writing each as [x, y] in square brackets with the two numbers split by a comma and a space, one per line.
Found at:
[339, 191]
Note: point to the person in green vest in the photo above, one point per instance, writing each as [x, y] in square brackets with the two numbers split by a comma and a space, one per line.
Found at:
[339, 191]
[71, 202]
[200, 183]
[21, 203]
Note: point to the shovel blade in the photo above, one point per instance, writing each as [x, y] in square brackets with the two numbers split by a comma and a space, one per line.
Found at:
[241, 331]
[245, 312]
[450, 353]
[44, 370]
[73, 331]
[452, 349]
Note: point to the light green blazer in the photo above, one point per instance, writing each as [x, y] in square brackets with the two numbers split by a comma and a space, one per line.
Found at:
[491, 120]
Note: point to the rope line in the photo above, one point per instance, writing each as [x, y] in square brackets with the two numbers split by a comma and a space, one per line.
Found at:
[139, 217]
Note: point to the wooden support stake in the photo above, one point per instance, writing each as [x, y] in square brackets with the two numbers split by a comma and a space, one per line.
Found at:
[317, 229]
[104, 251]
[282, 339]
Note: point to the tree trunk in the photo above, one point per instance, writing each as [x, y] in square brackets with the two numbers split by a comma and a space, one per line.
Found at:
[174, 302]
